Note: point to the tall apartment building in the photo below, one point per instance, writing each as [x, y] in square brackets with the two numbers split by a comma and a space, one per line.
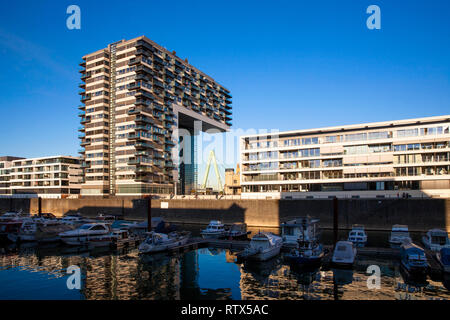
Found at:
[47, 177]
[135, 93]
[366, 160]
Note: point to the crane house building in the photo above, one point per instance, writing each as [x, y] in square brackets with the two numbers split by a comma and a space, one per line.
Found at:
[383, 159]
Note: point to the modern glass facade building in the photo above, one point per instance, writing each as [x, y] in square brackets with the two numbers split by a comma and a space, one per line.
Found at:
[135, 94]
[383, 159]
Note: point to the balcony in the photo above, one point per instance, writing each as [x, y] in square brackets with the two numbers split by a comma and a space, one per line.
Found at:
[143, 145]
[85, 98]
[85, 120]
[81, 107]
[82, 113]
[141, 118]
[81, 128]
[134, 61]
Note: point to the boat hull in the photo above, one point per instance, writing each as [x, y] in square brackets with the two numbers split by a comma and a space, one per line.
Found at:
[163, 247]
[213, 235]
[266, 254]
[416, 271]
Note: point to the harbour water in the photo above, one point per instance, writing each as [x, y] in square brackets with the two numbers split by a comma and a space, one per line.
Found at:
[39, 272]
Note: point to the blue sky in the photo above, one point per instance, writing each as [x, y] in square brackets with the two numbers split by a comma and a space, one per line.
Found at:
[289, 64]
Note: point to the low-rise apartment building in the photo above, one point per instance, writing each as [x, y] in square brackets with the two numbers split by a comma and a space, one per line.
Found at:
[47, 177]
[382, 159]
[5, 173]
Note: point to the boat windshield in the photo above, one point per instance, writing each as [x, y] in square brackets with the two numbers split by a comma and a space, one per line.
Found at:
[417, 257]
[85, 226]
[400, 234]
[440, 240]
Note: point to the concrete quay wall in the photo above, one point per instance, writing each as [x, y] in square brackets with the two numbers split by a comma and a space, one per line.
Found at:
[375, 214]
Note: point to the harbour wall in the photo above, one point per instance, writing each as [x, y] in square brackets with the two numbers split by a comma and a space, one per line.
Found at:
[375, 214]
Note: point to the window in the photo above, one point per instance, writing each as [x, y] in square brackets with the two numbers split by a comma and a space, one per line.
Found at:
[407, 133]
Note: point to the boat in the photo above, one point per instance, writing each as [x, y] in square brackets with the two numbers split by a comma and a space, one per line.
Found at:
[262, 247]
[238, 230]
[307, 254]
[357, 236]
[443, 258]
[399, 235]
[92, 234]
[436, 239]
[14, 216]
[158, 242]
[41, 230]
[8, 228]
[300, 228]
[215, 229]
[344, 254]
[105, 218]
[413, 259]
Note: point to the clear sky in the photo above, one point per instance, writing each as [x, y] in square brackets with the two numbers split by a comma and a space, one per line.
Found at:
[289, 64]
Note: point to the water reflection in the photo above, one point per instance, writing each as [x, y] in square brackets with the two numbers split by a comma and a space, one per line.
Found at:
[202, 274]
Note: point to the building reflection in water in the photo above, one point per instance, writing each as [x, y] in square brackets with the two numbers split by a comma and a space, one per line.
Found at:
[127, 275]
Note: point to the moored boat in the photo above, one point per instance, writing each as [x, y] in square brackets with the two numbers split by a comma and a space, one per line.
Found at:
[436, 239]
[307, 254]
[357, 236]
[215, 229]
[413, 259]
[443, 258]
[93, 234]
[238, 230]
[399, 235]
[9, 228]
[41, 230]
[344, 254]
[299, 229]
[158, 242]
[262, 247]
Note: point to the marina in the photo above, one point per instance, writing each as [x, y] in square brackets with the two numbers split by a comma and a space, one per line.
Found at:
[265, 264]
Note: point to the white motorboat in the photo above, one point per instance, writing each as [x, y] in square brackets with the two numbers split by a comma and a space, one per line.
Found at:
[344, 254]
[436, 239]
[238, 230]
[299, 229]
[399, 235]
[41, 230]
[262, 247]
[215, 229]
[357, 236]
[92, 234]
[15, 216]
[157, 242]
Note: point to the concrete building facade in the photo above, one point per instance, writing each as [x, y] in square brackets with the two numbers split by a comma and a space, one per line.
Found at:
[46, 177]
[232, 181]
[383, 159]
[136, 96]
